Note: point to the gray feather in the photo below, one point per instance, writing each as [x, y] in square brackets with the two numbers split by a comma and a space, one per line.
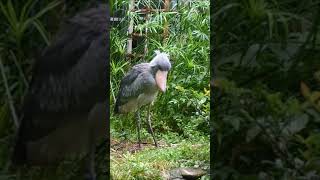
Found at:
[137, 81]
[68, 81]
[70, 76]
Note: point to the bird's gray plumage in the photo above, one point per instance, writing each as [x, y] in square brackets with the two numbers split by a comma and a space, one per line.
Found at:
[64, 109]
[140, 87]
[141, 80]
[73, 65]
[138, 80]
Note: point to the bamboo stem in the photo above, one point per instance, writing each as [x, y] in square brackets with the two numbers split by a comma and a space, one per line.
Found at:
[130, 29]
[166, 24]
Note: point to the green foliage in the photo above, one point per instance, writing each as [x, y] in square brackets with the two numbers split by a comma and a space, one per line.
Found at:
[152, 163]
[19, 23]
[265, 117]
[23, 30]
[188, 46]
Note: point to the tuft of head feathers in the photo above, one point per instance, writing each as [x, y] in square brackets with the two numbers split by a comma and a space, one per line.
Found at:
[162, 60]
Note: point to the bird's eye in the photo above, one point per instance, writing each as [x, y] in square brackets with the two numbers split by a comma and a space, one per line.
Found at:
[162, 68]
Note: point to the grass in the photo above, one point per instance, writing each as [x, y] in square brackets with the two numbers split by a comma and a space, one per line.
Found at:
[153, 163]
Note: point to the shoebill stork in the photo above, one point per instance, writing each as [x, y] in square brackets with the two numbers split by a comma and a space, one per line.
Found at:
[65, 110]
[140, 87]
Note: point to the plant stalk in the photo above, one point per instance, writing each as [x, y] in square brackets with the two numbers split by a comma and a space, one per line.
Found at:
[10, 100]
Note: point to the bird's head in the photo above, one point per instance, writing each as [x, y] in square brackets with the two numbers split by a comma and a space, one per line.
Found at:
[162, 65]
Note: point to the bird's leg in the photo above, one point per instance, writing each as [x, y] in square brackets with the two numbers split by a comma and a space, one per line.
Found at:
[90, 170]
[138, 126]
[123, 132]
[150, 128]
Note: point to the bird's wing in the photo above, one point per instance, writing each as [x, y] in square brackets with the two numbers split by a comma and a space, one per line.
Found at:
[72, 41]
[133, 84]
[71, 74]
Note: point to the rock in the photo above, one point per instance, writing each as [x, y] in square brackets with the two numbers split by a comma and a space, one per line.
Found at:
[175, 174]
[192, 173]
[184, 174]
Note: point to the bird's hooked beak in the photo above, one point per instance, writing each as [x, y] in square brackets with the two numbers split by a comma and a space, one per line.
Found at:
[161, 80]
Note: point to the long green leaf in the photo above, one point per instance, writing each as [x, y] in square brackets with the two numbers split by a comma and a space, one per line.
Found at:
[24, 11]
[41, 30]
[4, 10]
[47, 8]
[9, 96]
[11, 12]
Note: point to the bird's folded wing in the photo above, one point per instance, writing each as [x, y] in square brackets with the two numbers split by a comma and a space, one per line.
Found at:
[133, 84]
[71, 74]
